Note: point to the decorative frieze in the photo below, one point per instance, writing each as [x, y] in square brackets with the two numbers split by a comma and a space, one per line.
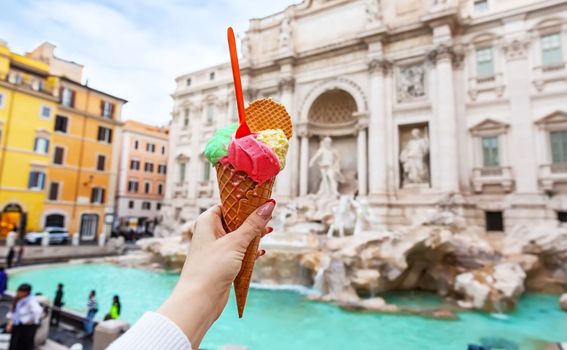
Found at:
[411, 82]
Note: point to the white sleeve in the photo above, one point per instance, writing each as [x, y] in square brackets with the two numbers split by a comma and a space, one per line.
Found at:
[152, 331]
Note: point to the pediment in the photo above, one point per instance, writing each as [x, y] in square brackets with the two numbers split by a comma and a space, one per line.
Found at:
[182, 157]
[555, 118]
[489, 126]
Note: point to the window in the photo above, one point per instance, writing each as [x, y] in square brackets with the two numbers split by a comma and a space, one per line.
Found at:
[149, 167]
[188, 82]
[1, 100]
[490, 151]
[37, 84]
[484, 62]
[558, 146]
[67, 97]
[181, 172]
[162, 149]
[130, 204]
[186, 118]
[61, 123]
[58, 155]
[160, 188]
[53, 191]
[136, 144]
[150, 147]
[41, 145]
[162, 169]
[106, 109]
[100, 162]
[212, 76]
[480, 6]
[562, 216]
[97, 195]
[134, 165]
[133, 186]
[89, 224]
[146, 205]
[36, 180]
[45, 112]
[494, 221]
[551, 49]
[206, 171]
[158, 206]
[210, 112]
[147, 187]
[104, 134]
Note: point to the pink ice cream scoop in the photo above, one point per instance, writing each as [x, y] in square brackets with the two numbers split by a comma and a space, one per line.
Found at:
[254, 158]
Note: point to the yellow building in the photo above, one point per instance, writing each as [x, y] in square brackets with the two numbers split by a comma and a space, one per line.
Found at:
[77, 182]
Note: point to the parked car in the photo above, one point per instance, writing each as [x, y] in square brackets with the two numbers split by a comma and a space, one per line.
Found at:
[57, 235]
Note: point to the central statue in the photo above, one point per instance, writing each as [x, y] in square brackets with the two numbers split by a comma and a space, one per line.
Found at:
[413, 159]
[327, 159]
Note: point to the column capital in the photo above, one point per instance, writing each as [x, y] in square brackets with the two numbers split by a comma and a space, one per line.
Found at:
[444, 51]
[251, 93]
[377, 65]
[301, 129]
[516, 48]
[362, 121]
[286, 84]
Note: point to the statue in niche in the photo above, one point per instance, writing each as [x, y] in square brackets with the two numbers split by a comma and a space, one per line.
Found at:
[413, 159]
[411, 82]
[373, 11]
[284, 40]
[327, 159]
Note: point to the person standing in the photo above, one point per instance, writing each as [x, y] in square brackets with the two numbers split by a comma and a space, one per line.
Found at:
[92, 309]
[24, 319]
[115, 309]
[20, 255]
[3, 281]
[57, 305]
[10, 257]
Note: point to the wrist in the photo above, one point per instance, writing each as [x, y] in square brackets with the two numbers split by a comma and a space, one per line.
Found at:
[191, 309]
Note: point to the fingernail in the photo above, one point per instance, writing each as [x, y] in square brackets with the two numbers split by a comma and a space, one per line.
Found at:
[265, 211]
[262, 252]
[270, 229]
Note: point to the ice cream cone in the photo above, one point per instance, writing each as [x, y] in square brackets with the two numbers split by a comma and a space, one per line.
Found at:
[241, 196]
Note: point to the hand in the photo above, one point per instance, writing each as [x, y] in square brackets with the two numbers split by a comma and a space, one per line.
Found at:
[9, 327]
[213, 263]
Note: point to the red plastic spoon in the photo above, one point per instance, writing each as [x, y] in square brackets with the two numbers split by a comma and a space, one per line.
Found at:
[243, 129]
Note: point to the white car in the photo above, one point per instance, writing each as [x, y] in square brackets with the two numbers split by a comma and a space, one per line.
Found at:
[57, 235]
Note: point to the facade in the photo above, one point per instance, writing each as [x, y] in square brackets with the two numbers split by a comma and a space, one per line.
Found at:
[74, 179]
[142, 175]
[423, 101]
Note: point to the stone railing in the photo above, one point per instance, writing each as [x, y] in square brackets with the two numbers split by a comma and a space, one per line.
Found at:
[495, 176]
[486, 84]
[548, 74]
[205, 188]
[180, 189]
[552, 174]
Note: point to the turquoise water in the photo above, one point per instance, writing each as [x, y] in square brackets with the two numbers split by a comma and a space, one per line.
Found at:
[285, 320]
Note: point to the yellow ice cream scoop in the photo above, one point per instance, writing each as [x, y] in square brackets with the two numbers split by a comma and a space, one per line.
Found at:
[276, 140]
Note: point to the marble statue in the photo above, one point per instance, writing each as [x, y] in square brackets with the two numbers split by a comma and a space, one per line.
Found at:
[327, 159]
[344, 216]
[413, 159]
[284, 39]
[364, 217]
[373, 11]
[411, 82]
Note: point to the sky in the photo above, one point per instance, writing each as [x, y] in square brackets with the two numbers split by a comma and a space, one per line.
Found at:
[133, 49]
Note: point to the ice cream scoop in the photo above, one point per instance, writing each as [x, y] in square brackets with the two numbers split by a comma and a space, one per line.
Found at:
[217, 147]
[254, 158]
[276, 140]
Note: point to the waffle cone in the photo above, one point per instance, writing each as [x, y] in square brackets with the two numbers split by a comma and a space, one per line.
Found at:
[241, 196]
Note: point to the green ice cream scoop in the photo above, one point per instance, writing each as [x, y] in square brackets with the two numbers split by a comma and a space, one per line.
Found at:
[217, 147]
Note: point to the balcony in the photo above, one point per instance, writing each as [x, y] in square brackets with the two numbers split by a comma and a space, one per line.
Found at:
[205, 188]
[551, 175]
[544, 75]
[180, 190]
[486, 84]
[493, 176]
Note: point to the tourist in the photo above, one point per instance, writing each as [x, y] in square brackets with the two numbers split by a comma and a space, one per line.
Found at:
[10, 257]
[115, 309]
[92, 309]
[57, 305]
[204, 285]
[20, 255]
[3, 281]
[24, 319]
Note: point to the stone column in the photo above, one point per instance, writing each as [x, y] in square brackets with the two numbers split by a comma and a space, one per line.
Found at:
[377, 172]
[446, 122]
[362, 156]
[303, 159]
[284, 181]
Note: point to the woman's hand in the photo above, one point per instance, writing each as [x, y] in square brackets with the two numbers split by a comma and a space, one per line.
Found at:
[213, 262]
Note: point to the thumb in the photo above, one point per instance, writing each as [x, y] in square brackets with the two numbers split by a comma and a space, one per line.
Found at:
[254, 225]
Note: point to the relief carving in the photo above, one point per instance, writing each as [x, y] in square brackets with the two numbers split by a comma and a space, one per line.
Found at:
[411, 82]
